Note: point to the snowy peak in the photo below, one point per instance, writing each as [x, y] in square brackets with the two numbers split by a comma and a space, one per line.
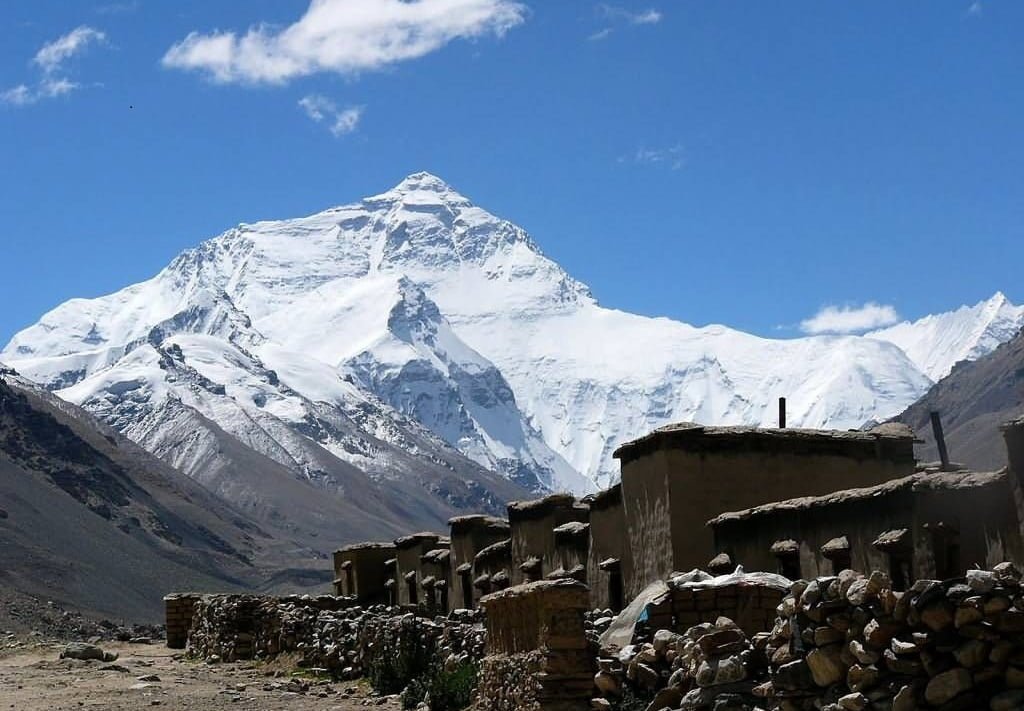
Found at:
[938, 342]
[415, 309]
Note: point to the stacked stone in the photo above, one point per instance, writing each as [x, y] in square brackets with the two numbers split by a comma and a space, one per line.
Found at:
[851, 643]
[596, 623]
[708, 666]
[463, 638]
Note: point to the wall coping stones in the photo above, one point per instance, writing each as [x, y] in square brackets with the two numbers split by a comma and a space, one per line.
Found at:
[886, 441]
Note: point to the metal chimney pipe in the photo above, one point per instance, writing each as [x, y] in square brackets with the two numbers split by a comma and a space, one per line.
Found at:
[782, 413]
[940, 439]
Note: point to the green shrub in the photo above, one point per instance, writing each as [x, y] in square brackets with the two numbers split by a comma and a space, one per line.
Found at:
[443, 690]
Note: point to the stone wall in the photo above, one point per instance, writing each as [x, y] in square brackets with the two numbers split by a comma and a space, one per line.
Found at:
[843, 643]
[537, 652]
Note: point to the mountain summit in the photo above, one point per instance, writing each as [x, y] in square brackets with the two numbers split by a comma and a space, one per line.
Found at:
[416, 326]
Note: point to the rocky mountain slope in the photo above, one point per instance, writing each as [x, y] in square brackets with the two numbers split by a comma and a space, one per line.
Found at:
[414, 327]
[89, 519]
[973, 400]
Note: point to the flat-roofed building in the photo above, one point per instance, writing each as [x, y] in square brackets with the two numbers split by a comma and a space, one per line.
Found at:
[678, 477]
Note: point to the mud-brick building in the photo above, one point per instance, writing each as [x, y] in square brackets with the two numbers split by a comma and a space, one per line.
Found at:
[492, 568]
[609, 559]
[408, 574]
[532, 531]
[360, 572]
[435, 572]
[678, 477]
[470, 535]
[931, 525]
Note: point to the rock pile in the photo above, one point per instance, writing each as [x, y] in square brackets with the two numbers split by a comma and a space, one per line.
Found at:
[851, 642]
[710, 666]
[843, 643]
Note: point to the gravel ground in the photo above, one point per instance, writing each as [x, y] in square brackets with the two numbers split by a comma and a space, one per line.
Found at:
[34, 678]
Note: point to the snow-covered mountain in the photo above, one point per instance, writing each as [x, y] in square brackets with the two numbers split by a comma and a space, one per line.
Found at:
[414, 318]
[937, 343]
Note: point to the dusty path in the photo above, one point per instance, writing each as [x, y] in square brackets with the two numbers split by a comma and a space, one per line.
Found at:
[34, 679]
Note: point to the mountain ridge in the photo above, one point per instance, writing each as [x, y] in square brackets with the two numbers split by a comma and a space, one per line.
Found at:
[504, 357]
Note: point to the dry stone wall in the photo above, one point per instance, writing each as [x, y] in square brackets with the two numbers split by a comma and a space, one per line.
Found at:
[843, 643]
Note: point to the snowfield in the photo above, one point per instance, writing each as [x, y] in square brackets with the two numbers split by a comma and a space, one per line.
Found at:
[416, 316]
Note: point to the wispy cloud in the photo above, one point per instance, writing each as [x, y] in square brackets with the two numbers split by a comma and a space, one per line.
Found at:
[118, 8]
[975, 8]
[344, 37]
[52, 55]
[672, 156]
[52, 59]
[618, 13]
[850, 319]
[340, 121]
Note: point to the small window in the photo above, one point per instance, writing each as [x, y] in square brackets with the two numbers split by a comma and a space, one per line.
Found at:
[787, 553]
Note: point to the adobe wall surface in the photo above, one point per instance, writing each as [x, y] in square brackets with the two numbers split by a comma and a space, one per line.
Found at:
[408, 567]
[493, 563]
[645, 501]
[731, 475]
[533, 536]
[982, 518]
[608, 540]
[572, 545]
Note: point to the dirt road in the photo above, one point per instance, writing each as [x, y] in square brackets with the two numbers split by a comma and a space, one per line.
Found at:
[149, 676]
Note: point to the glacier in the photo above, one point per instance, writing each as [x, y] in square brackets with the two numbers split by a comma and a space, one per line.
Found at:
[416, 319]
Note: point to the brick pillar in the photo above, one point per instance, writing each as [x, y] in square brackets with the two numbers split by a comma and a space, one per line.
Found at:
[178, 610]
[537, 654]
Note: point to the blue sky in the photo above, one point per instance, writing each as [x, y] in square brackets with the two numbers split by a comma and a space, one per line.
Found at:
[746, 163]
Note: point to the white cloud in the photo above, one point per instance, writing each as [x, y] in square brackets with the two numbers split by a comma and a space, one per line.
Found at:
[19, 95]
[342, 36]
[600, 34]
[644, 17]
[850, 319]
[48, 88]
[672, 156]
[975, 8]
[52, 55]
[51, 59]
[323, 110]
